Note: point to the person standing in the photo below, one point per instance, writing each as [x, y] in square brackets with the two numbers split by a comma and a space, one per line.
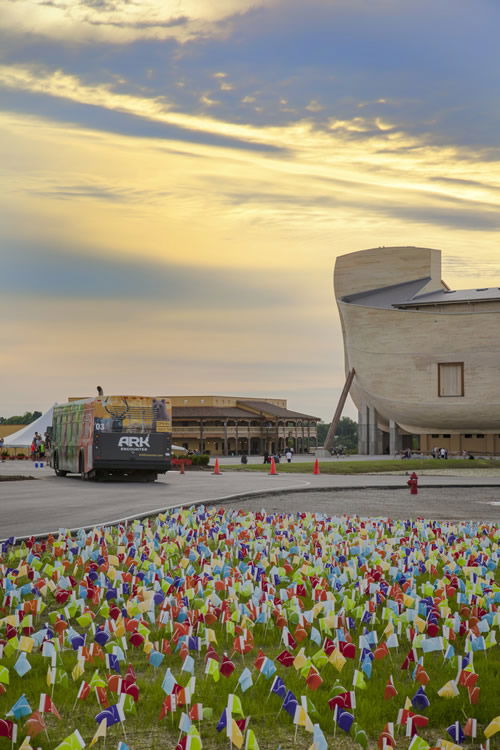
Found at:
[288, 455]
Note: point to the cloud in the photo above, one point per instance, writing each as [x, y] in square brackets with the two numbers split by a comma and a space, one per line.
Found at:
[121, 21]
[85, 274]
[149, 111]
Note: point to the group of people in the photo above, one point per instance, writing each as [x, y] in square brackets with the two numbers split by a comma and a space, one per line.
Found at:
[439, 453]
[39, 446]
[277, 456]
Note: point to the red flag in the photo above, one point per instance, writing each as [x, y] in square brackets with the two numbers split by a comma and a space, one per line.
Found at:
[102, 696]
[115, 683]
[390, 689]
[169, 704]
[242, 724]
[468, 679]
[347, 649]
[47, 705]
[474, 694]
[421, 676]
[227, 666]
[130, 689]
[211, 653]
[259, 661]
[285, 658]
[83, 690]
[196, 712]
[381, 651]
[8, 729]
[313, 679]
[385, 739]
[328, 646]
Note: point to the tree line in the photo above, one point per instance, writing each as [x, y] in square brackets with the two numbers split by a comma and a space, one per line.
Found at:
[27, 418]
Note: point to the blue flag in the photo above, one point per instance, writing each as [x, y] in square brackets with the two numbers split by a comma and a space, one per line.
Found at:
[290, 703]
[279, 687]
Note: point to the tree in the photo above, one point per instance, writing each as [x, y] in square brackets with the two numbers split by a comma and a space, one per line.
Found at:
[346, 435]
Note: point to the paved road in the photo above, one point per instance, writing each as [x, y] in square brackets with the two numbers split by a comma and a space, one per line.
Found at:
[443, 503]
[36, 507]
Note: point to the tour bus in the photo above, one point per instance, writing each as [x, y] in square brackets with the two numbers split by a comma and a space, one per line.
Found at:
[112, 437]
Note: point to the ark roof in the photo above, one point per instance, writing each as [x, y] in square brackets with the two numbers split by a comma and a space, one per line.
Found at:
[407, 295]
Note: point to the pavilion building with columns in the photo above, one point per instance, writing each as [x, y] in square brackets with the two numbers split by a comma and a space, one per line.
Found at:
[422, 361]
[228, 425]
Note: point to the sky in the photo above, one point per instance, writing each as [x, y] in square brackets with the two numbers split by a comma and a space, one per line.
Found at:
[178, 177]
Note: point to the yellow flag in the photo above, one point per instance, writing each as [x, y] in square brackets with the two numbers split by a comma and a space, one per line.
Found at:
[449, 690]
[338, 659]
[236, 736]
[78, 670]
[493, 727]
[26, 643]
[101, 732]
[300, 659]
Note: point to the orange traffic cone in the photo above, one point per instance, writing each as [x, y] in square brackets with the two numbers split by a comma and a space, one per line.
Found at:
[316, 467]
[216, 467]
[272, 470]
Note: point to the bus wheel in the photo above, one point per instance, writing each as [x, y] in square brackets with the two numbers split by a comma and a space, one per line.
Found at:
[59, 472]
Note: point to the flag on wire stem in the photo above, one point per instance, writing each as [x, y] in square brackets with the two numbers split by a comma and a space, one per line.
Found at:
[35, 724]
[245, 680]
[47, 705]
[73, 741]
[234, 734]
[101, 732]
[8, 729]
[251, 740]
[20, 708]
[493, 727]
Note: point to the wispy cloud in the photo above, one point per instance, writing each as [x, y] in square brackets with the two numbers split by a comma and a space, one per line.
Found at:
[120, 21]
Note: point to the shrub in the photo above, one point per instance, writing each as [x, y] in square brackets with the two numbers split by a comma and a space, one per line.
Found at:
[200, 460]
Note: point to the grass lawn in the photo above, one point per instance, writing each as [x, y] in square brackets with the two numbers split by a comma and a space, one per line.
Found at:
[161, 593]
[371, 467]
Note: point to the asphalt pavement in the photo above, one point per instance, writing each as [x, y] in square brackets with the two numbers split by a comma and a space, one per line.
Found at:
[38, 507]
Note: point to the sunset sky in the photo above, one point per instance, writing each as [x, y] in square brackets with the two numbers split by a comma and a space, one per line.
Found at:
[178, 177]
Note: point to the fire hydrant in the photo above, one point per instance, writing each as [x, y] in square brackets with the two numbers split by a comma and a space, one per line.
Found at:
[413, 484]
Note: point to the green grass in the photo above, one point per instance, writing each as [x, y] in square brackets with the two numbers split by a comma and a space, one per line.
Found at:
[370, 467]
[143, 730]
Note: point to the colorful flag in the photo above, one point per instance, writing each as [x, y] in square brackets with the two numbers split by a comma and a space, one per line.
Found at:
[234, 734]
[251, 741]
[245, 680]
[35, 724]
[493, 727]
[8, 729]
[113, 714]
[20, 708]
[101, 732]
[74, 741]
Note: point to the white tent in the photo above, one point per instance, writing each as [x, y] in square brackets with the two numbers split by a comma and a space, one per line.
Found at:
[24, 437]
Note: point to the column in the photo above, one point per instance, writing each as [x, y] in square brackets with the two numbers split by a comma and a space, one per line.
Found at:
[363, 423]
[394, 438]
[202, 447]
[374, 436]
[226, 452]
